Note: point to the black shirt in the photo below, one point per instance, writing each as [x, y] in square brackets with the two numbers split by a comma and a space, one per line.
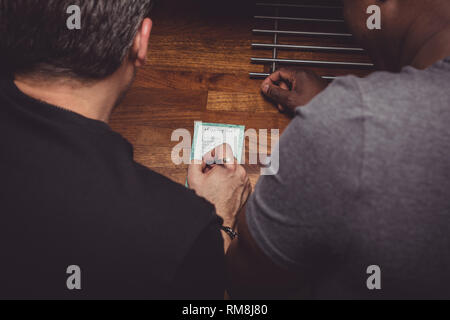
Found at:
[71, 194]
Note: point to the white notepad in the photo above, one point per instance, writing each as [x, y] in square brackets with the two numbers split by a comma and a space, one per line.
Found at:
[208, 136]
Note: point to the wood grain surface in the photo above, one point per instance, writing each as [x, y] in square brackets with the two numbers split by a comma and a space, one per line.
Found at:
[197, 70]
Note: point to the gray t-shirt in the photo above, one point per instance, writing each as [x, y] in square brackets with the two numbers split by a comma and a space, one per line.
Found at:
[364, 180]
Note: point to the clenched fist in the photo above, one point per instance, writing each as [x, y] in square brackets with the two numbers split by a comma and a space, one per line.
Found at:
[222, 181]
[292, 88]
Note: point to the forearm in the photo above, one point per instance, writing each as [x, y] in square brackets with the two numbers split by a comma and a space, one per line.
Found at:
[229, 237]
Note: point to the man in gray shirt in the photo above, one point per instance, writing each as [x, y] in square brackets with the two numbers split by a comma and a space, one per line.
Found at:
[360, 207]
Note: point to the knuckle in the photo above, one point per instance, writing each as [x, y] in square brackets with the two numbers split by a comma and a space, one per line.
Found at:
[242, 173]
[301, 74]
[192, 185]
[193, 182]
[287, 70]
[293, 101]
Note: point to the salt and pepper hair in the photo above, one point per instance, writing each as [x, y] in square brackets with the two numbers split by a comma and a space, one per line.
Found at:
[35, 38]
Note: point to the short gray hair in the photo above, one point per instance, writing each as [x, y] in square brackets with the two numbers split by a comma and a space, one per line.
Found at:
[35, 38]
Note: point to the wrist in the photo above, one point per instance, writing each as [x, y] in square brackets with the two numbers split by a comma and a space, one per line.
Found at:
[227, 219]
[230, 232]
[229, 223]
[228, 236]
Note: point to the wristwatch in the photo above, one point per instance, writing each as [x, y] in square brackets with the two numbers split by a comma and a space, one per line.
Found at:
[233, 234]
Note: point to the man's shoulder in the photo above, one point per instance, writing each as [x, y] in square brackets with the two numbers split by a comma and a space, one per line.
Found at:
[380, 96]
[339, 106]
[410, 90]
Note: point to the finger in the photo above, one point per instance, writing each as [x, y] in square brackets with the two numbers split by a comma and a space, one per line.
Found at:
[283, 75]
[209, 168]
[273, 78]
[277, 94]
[195, 172]
[209, 157]
[279, 77]
[287, 74]
[224, 155]
[282, 86]
[223, 151]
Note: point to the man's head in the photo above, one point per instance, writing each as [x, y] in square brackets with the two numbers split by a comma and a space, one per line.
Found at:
[405, 26]
[35, 39]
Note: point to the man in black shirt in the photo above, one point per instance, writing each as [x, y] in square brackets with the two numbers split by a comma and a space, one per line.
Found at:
[78, 217]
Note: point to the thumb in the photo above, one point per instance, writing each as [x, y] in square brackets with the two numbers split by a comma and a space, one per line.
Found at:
[224, 155]
[277, 94]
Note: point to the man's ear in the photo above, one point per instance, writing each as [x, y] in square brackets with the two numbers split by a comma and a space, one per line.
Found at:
[140, 44]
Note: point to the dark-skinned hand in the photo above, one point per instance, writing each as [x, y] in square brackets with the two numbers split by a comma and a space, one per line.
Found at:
[292, 88]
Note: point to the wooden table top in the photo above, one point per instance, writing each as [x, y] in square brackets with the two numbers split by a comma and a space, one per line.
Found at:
[197, 70]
